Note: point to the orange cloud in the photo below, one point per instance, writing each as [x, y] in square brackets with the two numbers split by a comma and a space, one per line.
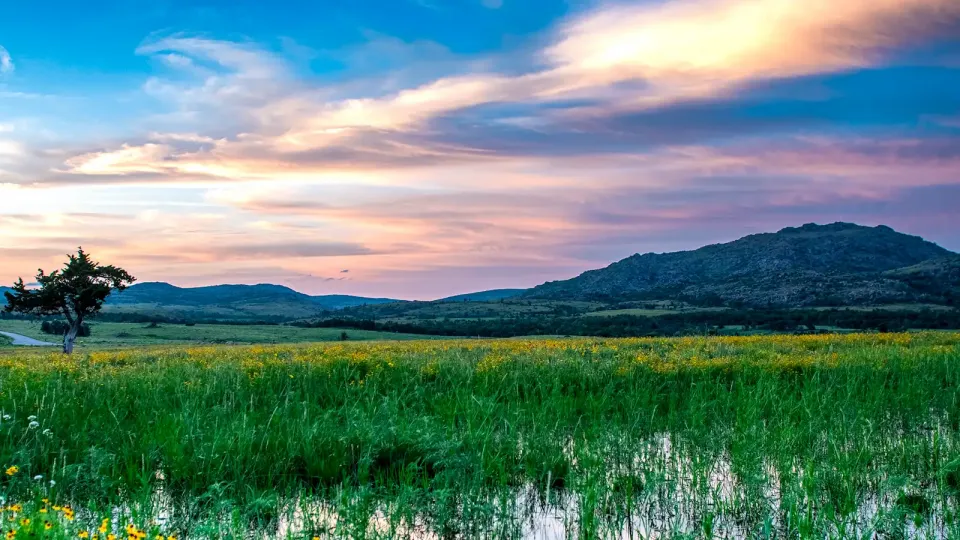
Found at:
[678, 50]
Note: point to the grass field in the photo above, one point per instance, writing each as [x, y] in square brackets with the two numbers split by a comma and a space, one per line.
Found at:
[110, 335]
[853, 436]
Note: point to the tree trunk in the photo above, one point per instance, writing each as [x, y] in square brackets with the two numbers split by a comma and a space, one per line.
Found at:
[70, 337]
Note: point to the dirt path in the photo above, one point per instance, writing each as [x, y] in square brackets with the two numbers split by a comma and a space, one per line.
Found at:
[27, 342]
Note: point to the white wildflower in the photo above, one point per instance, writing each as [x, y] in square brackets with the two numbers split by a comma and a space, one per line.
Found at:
[38, 477]
[33, 425]
[32, 417]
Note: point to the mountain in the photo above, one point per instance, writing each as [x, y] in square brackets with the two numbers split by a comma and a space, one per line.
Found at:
[485, 296]
[836, 264]
[268, 302]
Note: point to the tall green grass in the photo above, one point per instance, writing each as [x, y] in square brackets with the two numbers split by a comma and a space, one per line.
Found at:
[816, 436]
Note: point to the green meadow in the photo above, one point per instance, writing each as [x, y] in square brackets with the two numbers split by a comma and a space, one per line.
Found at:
[825, 436]
[119, 335]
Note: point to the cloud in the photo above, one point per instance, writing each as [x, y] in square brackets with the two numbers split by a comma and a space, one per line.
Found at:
[597, 68]
[291, 249]
[6, 63]
[680, 46]
[632, 126]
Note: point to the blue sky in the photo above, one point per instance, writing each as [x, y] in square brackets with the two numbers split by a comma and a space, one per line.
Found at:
[433, 147]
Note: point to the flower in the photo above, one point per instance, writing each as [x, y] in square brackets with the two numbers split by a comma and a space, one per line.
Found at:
[25, 521]
[32, 417]
[12, 470]
[38, 477]
[6, 417]
[48, 432]
[33, 425]
[53, 483]
[47, 525]
[111, 537]
[11, 534]
[83, 534]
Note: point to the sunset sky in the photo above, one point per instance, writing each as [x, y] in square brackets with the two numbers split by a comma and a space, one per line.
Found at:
[422, 148]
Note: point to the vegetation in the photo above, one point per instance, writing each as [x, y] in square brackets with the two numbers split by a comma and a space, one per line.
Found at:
[630, 323]
[59, 328]
[75, 292]
[815, 436]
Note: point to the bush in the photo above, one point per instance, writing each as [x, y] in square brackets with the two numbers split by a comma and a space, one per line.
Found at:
[60, 328]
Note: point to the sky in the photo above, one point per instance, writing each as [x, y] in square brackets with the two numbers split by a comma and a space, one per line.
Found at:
[422, 148]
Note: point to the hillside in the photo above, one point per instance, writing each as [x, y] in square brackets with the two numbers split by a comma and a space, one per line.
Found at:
[936, 278]
[485, 296]
[228, 302]
[836, 264]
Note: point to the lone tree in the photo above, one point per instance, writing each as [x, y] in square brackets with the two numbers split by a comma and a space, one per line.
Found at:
[76, 292]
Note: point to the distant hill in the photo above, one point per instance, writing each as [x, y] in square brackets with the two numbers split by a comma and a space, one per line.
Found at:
[484, 296]
[240, 302]
[836, 264]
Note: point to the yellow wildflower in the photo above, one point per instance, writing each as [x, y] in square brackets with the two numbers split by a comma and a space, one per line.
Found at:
[12, 470]
[83, 534]
[25, 521]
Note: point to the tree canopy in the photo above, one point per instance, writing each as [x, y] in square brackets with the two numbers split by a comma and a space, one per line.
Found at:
[77, 291]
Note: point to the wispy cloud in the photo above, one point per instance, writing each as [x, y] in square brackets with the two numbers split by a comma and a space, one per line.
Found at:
[6, 63]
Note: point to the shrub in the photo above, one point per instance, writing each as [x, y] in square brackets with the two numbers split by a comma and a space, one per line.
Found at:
[60, 328]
